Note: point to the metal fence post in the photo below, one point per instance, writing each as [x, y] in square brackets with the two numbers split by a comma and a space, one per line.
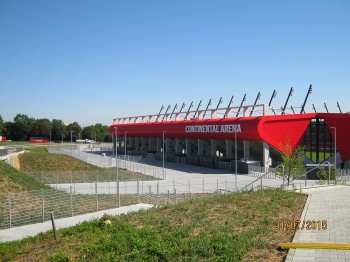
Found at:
[157, 194]
[71, 201]
[175, 196]
[118, 187]
[10, 209]
[96, 197]
[43, 205]
[138, 191]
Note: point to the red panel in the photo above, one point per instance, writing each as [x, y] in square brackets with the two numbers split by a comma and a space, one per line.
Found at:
[214, 129]
[342, 124]
[277, 130]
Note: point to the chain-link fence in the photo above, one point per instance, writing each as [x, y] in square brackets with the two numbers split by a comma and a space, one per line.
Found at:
[99, 175]
[17, 209]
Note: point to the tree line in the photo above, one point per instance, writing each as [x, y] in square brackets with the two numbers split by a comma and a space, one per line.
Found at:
[23, 127]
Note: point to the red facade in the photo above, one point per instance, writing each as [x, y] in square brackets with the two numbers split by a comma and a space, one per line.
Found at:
[275, 130]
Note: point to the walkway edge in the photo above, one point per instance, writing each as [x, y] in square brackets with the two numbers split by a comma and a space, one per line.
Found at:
[296, 236]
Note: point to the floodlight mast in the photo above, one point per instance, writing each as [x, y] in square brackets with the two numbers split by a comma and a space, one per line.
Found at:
[160, 111]
[307, 95]
[200, 103]
[285, 105]
[164, 116]
[239, 109]
[220, 102]
[256, 100]
[173, 111]
[325, 106]
[207, 107]
[191, 105]
[291, 107]
[339, 107]
[272, 97]
[229, 104]
[183, 105]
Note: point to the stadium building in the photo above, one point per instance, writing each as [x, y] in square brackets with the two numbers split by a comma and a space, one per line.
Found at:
[235, 137]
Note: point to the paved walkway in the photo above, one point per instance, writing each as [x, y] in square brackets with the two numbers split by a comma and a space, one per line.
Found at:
[182, 178]
[17, 233]
[333, 205]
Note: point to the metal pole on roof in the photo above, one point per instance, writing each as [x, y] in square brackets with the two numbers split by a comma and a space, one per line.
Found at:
[239, 109]
[307, 95]
[285, 105]
[339, 107]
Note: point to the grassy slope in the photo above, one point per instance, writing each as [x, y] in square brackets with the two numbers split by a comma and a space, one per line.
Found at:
[37, 159]
[12, 180]
[226, 227]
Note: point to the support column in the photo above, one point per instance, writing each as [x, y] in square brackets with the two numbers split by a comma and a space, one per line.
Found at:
[229, 153]
[137, 143]
[266, 155]
[159, 144]
[246, 143]
[177, 146]
[167, 145]
[188, 147]
[266, 149]
[246, 149]
[200, 147]
[213, 147]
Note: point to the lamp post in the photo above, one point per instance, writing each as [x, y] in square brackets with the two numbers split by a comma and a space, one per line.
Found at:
[163, 156]
[125, 144]
[116, 150]
[236, 161]
[335, 151]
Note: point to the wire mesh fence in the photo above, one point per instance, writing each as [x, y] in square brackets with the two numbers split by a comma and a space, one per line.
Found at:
[17, 209]
[98, 175]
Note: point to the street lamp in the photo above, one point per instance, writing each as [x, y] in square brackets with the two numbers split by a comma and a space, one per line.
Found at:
[116, 149]
[116, 162]
[125, 144]
[236, 161]
[335, 150]
[163, 156]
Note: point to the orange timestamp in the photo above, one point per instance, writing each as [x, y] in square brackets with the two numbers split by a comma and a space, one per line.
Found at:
[301, 224]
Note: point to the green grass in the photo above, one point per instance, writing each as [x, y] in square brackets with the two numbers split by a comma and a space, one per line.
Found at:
[231, 227]
[12, 180]
[322, 156]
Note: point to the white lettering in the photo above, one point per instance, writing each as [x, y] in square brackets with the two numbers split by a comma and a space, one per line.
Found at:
[214, 129]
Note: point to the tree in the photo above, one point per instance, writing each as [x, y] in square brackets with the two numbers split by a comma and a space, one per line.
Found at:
[74, 130]
[58, 130]
[22, 126]
[2, 126]
[292, 160]
[41, 128]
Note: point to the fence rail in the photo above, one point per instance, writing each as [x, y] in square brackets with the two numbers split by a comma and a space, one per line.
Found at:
[17, 209]
[258, 171]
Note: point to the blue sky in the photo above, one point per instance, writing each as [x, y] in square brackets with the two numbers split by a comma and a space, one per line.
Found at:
[92, 61]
